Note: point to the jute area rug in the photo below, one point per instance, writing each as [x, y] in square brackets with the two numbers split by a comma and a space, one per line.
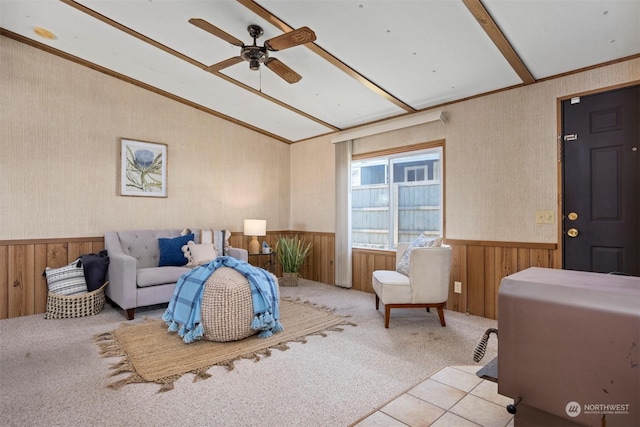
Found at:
[152, 354]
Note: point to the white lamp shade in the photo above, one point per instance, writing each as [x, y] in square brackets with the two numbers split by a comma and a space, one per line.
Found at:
[255, 227]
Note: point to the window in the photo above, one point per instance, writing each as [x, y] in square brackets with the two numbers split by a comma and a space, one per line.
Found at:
[395, 198]
[415, 173]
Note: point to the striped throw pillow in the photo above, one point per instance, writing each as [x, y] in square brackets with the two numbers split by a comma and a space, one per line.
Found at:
[67, 280]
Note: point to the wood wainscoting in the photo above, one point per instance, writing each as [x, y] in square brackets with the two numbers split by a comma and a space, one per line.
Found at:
[23, 289]
[479, 266]
[319, 266]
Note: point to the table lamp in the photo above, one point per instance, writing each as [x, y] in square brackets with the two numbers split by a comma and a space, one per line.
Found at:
[255, 228]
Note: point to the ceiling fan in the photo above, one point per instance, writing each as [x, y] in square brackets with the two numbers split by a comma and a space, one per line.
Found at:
[255, 54]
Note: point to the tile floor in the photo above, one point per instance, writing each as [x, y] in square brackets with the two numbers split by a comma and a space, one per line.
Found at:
[452, 397]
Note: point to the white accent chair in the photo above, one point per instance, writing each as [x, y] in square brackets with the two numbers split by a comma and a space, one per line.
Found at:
[426, 286]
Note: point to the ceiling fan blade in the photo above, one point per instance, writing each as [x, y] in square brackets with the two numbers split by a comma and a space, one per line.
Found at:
[210, 28]
[293, 38]
[283, 71]
[224, 64]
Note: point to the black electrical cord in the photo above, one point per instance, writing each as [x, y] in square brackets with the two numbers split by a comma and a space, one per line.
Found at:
[478, 353]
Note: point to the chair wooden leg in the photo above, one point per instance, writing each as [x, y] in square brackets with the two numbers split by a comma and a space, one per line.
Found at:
[130, 313]
[441, 315]
[377, 302]
[428, 310]
[387, 314]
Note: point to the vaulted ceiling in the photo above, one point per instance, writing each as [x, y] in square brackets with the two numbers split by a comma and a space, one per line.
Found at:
[371, 59]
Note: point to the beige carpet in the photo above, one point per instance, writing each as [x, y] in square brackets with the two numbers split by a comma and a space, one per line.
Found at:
[152, 354]
[51, 373]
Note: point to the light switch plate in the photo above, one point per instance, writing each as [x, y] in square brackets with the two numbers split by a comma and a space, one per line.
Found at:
[545, 217]
[457, 287]
[549, 217]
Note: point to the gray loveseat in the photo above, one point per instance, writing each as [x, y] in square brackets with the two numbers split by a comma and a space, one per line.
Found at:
[135, 279]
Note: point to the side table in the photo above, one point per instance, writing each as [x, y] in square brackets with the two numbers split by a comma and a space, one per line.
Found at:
[265, 261]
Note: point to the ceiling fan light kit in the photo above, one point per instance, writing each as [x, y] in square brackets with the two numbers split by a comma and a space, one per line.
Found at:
[256, 55]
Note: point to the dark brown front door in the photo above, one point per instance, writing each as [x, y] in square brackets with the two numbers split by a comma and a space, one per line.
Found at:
[601, 182]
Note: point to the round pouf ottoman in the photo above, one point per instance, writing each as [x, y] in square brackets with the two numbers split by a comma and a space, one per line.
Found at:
[227, 308]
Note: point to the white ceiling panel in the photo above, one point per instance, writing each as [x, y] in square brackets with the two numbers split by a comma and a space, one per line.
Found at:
[554, 37]
[101, 44]
[372, 59]
[404, 45]
[331, 90]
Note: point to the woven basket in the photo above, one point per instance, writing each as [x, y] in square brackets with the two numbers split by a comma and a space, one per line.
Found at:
[79, 305]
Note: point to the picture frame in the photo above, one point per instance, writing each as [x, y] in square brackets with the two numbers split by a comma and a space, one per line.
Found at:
[143, 168]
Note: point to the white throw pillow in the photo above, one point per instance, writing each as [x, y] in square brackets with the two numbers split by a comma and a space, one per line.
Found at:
[221, 241]
[435, 243]
[197, 255]
[67, 280]
[421, 241]
[206, 236]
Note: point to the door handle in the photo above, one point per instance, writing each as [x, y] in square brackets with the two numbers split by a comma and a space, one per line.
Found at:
[572, 232]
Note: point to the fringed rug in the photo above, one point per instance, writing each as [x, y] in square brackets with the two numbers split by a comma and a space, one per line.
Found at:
[152, 354]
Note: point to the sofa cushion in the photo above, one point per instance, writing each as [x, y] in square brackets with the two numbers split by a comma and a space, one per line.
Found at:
[392, 287]
[171, 250]
[219, 238]
[221, 241]
[199, 254]
[159, 275]
[143, 245]
[197, 238]
[203, 253]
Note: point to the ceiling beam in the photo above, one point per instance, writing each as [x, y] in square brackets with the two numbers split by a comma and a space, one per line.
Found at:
[119, 26]
[142, 37]
[283, 26]
[487, 23]
[274, 100]
[140, 84]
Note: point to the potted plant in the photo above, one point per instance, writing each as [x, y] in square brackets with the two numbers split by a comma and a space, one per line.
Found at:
[292, 252]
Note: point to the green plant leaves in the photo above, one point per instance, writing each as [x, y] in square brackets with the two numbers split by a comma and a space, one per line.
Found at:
[292, 252]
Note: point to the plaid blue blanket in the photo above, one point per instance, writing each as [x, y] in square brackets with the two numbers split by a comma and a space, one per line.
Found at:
[183, 313]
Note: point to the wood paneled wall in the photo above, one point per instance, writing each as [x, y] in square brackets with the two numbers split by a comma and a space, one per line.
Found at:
[23, 290]
[480, 266]
[319, 266]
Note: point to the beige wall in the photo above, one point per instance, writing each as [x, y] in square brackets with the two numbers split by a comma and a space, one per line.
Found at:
[60, 123]
[59, 129]
[313, 186]
[500, 160]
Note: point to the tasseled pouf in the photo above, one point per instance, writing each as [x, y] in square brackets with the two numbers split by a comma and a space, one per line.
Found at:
[227, 308]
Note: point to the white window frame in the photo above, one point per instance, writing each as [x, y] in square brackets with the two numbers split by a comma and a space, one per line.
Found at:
[415, 169]
[438, 167]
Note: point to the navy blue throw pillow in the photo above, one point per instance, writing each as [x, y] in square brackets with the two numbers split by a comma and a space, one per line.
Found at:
[95, 269]
[171, 250]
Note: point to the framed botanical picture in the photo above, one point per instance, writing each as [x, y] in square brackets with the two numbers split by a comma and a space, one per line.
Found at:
[143, 168]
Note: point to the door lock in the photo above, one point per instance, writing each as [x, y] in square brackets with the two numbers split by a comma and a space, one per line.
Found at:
[572, 232]
[572, 216]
